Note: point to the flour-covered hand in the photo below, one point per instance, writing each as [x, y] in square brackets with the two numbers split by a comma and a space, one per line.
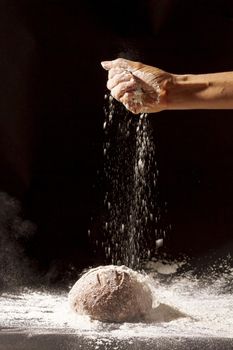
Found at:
[141, 88]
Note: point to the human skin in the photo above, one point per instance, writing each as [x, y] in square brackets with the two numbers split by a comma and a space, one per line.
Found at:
[146, 89]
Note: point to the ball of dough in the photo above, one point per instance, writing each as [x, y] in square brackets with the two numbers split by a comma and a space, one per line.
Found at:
[112, 294]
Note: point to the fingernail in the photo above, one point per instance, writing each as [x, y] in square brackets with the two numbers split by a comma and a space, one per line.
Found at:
[106, 65]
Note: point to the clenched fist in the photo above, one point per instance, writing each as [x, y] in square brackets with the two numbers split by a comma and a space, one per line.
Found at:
[141, 88]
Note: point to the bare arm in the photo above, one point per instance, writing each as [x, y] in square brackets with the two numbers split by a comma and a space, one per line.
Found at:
[204, 91]
[146, 89]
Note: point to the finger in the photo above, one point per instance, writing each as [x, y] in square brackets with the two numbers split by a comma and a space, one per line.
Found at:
[119, 78]
[106, 65]
[113, 71]
[136, 105]
[129, 101]
[118, 91]
[137, 108]
[121, 63]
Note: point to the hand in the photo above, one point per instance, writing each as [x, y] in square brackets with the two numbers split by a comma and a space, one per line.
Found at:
[141, 88]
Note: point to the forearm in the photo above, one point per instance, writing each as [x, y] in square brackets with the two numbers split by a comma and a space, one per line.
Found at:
[204, 91]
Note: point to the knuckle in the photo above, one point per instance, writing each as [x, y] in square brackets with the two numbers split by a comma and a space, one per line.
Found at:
[119, 60]
[110, 73]
[115, 93]
[109, 85]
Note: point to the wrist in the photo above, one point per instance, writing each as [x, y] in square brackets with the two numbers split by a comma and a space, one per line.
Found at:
[187, 91]
[177, 91]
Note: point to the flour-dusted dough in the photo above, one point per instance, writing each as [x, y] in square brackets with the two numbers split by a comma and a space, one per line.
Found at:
[118, 294]
[112, 294]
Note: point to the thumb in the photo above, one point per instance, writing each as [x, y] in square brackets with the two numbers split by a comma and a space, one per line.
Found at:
[106, 64]
[131, 66]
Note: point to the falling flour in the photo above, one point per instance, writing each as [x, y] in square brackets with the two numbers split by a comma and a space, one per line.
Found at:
[132, 213]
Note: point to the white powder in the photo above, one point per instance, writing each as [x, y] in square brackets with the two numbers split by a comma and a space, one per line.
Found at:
[164, 268]
[131, 175]
[139, 93]
[209, 306]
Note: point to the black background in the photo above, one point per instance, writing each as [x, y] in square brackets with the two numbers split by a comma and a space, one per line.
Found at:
[51, 116]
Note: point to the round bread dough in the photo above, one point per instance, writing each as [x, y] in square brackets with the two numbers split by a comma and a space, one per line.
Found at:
[112, 294]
